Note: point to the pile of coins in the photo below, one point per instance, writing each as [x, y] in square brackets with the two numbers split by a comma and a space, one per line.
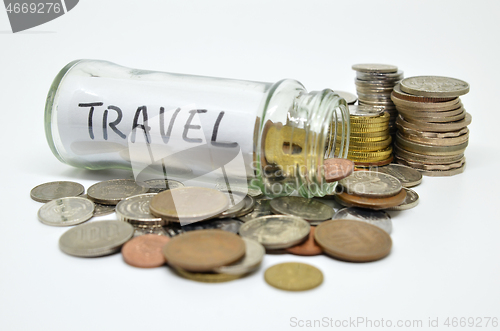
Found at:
[228, 233]
[374, 84]
[432, 124]
[369, 142]
[370, 189]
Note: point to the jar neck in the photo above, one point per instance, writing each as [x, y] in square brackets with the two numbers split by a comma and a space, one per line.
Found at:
[326, 123]
[295, 145]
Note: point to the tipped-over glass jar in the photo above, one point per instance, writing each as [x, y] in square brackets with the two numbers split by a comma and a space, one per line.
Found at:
[222, 132]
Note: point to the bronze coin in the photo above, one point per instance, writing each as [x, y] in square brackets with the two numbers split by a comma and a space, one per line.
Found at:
[353, 241]
[308, 247]
[145, 251]
[337, 169]
[352, 200]
[204, 250]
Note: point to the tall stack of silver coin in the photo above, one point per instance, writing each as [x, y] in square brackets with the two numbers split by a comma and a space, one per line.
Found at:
[374, 84]
[432, 124]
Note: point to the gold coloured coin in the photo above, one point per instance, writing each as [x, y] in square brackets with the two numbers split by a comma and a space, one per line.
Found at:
[206, 277]
[293, 276]
[370, 146]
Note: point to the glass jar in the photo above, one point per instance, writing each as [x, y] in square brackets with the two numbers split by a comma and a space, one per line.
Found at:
[222, 132]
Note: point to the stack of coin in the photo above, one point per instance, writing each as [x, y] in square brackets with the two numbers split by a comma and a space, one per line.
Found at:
[369, 142]
[374, 84]
[432, 124]
[370, 189]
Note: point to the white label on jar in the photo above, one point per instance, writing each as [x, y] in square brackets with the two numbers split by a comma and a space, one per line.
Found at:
[189, 129]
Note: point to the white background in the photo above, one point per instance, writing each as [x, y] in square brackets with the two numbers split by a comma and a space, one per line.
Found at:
[445, 258]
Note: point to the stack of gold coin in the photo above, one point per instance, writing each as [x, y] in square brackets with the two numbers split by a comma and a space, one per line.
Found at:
[432, 124]
[369, 142]
[374, 84]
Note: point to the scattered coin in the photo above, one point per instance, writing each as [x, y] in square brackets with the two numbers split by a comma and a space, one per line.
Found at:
[408, 177]
[227, 224]
[203, 250]
[206, 277]
[411, 201]
[434, 86]
[351, 200]
[308, 247]
[308, 209]
[248, 208]
[262, 208]
[236, 204]
[276, 231]
[112, 191]
[160, 185]
[353, 241]
[96, 238]
[66, 211]
[293, 276]
[135, 210]
[145, 251]
[376, 217]
[99, 209]
[55, 190]
[371, 184]
[188, 204]
[254, 253]
[337, 169]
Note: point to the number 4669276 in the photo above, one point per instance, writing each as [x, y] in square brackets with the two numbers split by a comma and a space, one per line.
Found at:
[39, 8]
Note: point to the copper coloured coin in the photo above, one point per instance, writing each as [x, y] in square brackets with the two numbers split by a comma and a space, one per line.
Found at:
[145, 251]
[204, 250]
[352, 200]
[308, 247]
[337, 169]
[353, 241]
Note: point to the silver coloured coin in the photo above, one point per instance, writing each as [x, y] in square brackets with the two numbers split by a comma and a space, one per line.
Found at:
[157, 230]
[261, 208]
[66, 211]
[254, 254]
[408, 177]
[371, 184]
[434, 86]
[230, 225]
[135, 210]
[375, 76]
[248, 208]
[236, 204]
[55, 190]
[100, 209]
[375, 67]
[348, 97]
[376, 217]
[308, 209]
[276, 231]
[112, 191]
[160, 185]
[96, 238]
[410, 201]
[366, 111]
